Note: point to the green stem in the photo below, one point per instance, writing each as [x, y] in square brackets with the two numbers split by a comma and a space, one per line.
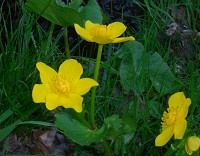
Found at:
[66, 43]
[107, 149]
[96, 73]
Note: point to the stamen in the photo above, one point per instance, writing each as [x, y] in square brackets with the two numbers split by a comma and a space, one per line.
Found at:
[169, 118]
[61, 85]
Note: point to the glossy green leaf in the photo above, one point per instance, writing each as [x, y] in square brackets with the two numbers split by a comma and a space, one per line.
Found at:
[92, 11]
[77, 131]
[160, 74]
[55, 13]
[131, 70]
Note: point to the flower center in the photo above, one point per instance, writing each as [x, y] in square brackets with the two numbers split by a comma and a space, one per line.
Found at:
[61, 85]
[98, 30]
[169, 118]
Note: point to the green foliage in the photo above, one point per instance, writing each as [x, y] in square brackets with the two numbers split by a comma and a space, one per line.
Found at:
[131, 66]
[77, 131]
[119, 131]
[160, 74]
[154, 109]
[75, 4]
[7, 130]
[136, 67]
[6, 115]
[92, 12]
[65, 15]
[24, 42]
[50, 10]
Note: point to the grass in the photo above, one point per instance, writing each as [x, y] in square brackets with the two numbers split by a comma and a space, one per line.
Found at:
[25, 42]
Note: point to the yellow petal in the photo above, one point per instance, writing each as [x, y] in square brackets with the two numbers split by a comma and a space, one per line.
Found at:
[188, 151]
[178, 99]
[83, 33]
[183, 110]
[52, 101]
[73, 101]
[46, 72]
[164, 137]
[179, 128]
[71, 68]
[40, 92]
[123, 39]
[102, 39]
[89, 25]
[84, 85]
[115, 29]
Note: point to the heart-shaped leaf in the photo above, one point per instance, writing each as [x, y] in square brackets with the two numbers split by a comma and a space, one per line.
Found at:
[131, 66]
[55, 13]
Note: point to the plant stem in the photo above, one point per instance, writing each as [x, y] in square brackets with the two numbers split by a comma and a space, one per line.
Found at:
[66, 43]
[96, 73]
[107, 149]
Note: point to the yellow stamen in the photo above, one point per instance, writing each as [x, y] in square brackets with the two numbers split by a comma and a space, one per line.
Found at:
[61, 85]
[169, 118]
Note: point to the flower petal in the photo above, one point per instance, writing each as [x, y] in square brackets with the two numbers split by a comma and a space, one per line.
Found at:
[188, 151]
[71, 68]
[89, 25]
[116, 29]
[84, 85]
[83, 33]
[46, 72]
[164, 137]
[183, 110]
[40, 92]
[123, 39]
[178, 99]
[53, 101]
[102, 40]
[179, 128]
[73, 101]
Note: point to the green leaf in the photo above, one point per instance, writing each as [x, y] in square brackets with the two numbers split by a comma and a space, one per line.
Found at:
[75, 4]
[131, 70]
[77, 131]
[160, 74]
[6, 115]
[92, 12]
[154, 109]
[59, 15]
[115, 127]
[61, 3]
[7, 130]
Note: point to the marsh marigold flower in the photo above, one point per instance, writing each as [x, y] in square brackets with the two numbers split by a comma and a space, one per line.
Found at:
[173, 120]
[192, 144]
[103, 34]
[63, 88]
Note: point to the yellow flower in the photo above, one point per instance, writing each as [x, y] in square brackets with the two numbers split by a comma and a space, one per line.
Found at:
[63, 88]
[173, 120]
[103, 34]
[192, 144]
